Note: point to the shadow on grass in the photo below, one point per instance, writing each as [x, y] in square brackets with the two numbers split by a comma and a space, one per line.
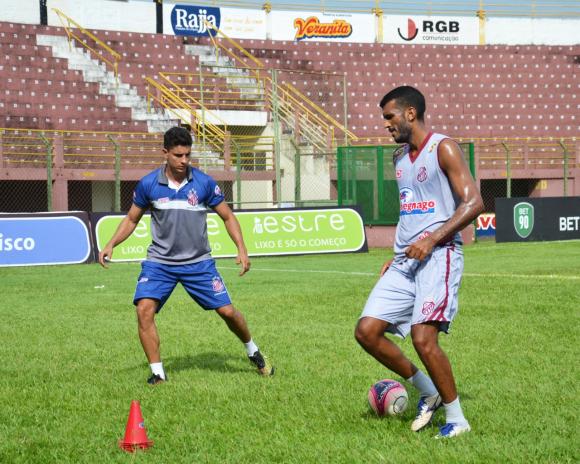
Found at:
[211, 361]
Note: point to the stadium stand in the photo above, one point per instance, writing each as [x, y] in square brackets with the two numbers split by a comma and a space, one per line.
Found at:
[482, 91]
[473, 92]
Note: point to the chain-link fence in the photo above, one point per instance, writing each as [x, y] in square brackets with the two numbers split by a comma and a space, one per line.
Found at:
[97, 171]
[366, 177]
[527, 167]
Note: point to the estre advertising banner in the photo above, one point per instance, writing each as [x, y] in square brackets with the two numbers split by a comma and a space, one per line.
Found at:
[266, 233]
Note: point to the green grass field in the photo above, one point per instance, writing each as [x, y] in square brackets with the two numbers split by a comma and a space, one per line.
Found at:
[71, 364]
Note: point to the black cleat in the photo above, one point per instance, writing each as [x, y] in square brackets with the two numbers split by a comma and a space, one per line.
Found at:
[155, 379]
[262, 364]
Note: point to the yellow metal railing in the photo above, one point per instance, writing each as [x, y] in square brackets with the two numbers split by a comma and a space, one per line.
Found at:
[318, 126]
[320, 112]
[236, 45]
[26, 148]
[518, 152]
[107, 54]
[242, 151]
[203, 129]
[226, 93]
[527, 152]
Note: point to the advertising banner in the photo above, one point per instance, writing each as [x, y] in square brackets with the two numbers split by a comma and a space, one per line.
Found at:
[266, 233]
[485, 225]
[324, 27]
[191, 20]
[243, 24]
[537, 219]
[45, 238]
[441, 30]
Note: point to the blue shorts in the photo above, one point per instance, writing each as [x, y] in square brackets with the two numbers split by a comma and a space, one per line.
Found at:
[201, 280]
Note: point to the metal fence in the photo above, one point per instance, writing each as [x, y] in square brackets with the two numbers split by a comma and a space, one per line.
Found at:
[97, 171]
[366, 177]
[527, 167]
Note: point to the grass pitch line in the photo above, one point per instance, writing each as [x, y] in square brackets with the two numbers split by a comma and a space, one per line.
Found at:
[308, 271]
[371, 274]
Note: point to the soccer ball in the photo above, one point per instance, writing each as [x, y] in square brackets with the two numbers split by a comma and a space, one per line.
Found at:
[388, 397]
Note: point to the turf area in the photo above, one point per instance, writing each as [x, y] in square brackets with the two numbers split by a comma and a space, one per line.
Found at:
[72, 363]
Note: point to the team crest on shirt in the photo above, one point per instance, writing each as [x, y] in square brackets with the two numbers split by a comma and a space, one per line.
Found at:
[428, 306]
[217, 190]
[192, 197]
[217, 284]
[405, 195]
[399, 173]
[422, 175]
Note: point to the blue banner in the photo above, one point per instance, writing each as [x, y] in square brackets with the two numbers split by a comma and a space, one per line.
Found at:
[34, 240]
[191, 20]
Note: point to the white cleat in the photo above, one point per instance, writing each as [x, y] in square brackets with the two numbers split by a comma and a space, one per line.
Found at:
[425, 410]
[452, 430]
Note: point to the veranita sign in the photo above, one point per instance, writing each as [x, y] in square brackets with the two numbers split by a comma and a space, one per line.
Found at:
[313, 28]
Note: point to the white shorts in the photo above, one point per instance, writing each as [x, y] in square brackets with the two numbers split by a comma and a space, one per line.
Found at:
[414, 292]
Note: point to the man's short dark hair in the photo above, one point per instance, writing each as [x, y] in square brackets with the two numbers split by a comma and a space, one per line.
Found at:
[406, 96]
[177, 136]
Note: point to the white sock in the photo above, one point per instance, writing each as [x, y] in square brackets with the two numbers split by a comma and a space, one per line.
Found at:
[453, 413]
[423, 383]
[157, 368]
[251, 347]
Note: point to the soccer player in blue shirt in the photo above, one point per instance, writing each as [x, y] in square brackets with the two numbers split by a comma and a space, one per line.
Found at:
[179, 197]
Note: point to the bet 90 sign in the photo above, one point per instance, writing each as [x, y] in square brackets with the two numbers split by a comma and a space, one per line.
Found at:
[537, 219]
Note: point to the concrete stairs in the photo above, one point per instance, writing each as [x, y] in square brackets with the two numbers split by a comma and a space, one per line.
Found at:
[95, 71]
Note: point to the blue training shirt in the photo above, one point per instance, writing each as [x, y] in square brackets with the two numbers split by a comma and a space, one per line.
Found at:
[178, 217]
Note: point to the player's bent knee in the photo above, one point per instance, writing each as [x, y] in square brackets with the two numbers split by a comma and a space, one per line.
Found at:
[368, 330]
[228, 312]
[424, 344]
[146, 309]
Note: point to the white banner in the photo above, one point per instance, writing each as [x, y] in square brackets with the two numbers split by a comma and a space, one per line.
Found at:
[440, 30]
[536, 31]
[20, 11]
[111, 16]
[323, 27]
[244, 24]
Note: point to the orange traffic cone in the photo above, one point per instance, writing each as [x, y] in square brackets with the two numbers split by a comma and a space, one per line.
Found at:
[135, 433]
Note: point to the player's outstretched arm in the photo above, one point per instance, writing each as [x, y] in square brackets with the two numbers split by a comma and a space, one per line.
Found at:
[463, 185]
[125, 229]
[235, 232]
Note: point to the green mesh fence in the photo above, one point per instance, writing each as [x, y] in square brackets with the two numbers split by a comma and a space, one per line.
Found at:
[366, 178]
